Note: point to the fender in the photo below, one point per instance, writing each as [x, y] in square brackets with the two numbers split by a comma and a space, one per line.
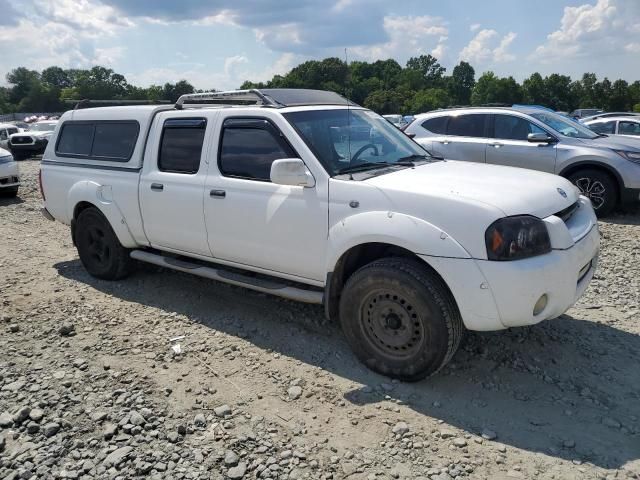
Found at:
[102, 198]
[393, 228]
[593, 163]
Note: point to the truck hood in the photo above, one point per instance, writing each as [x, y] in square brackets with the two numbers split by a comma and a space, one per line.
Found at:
[514, 191]
[33, 134]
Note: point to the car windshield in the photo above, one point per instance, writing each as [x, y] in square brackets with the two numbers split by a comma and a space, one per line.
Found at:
[564, 126]
[43, 127]
[349, 138]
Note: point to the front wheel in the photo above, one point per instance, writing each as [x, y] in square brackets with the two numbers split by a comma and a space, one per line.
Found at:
[599, 187]
[400, 319]
[99, 249]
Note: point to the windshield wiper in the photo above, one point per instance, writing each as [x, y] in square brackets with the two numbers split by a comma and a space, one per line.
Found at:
[362, 167]
[415, 156]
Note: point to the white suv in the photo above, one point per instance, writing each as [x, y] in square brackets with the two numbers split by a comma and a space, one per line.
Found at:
[310, 197]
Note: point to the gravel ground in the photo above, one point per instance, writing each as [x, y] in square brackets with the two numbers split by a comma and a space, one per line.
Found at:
[90, 387]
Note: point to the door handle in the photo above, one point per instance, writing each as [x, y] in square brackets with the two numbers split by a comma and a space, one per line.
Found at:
[218, 193]
[496, 144]
[158, 187]
[445, 142]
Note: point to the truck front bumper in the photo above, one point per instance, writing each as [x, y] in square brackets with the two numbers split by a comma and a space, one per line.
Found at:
[497, 295]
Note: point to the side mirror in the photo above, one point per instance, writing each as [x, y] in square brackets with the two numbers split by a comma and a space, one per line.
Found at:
[540, 138]
[291, 171]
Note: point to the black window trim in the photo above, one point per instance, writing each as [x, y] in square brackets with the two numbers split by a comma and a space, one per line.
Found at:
[263, 123]
[94, 123]
[203, 125]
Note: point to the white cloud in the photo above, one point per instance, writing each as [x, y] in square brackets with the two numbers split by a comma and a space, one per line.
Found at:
[600, 29]
[409, 36]
[474, 26]
[235, 72]
[485, 48]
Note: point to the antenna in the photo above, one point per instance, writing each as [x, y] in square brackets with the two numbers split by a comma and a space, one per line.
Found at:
[346, 96]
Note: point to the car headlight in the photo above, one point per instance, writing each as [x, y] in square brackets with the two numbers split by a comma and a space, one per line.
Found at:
[515, 238]
[6, 159]
[627, 155]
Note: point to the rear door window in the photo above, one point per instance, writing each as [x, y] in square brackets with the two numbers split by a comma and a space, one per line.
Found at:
[181, 145]
[629, 128]
[468, 125]
[115, 140]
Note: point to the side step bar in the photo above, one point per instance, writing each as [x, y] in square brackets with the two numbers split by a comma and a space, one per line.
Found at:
[258, 284]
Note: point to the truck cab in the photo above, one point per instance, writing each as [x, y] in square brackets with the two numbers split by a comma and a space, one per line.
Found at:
[305, 195]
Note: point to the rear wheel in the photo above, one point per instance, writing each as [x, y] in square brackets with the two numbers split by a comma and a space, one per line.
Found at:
[599, 187]
[99, 249]
[400, 319]
[9, 192]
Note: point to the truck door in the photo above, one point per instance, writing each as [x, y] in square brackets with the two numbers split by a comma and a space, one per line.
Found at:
[172, 181]
[254, 222]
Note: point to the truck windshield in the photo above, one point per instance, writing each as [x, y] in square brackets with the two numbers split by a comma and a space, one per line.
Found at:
[564, 126]
[345, 139]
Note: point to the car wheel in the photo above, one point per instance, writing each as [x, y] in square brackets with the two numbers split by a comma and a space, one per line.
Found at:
[599, 187]
[400, 319]
[9, 192]
[99, 249]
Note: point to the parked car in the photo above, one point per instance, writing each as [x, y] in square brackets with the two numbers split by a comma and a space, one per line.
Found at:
[403, 249]
[6, 129]
[9, 174]
[585, 112]
[397, 120]
[605, 169]
[609, 114]
[626, 126]
[32, 142]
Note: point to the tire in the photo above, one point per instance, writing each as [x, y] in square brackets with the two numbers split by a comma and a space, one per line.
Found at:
[99, 249]
[9, 192]
[409, 295]
[599, 187]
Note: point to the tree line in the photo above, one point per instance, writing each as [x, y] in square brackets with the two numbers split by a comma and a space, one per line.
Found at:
[383, 86]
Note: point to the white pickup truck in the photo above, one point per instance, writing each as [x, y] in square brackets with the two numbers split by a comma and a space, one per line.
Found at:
[310, 197]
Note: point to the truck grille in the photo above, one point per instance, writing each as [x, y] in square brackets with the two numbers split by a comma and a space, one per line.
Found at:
[568, 212]
[21, 140]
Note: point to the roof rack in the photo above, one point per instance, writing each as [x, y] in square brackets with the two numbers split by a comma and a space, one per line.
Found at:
[266, 97]
[233, 97]
[86, 103]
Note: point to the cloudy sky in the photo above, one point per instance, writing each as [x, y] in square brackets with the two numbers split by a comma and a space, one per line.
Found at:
[220, 43]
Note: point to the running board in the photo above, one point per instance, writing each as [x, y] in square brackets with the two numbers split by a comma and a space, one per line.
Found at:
[272, 287]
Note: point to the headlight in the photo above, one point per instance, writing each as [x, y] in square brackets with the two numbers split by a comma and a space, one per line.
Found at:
[514, 238]
[627, 155]
[6, 159]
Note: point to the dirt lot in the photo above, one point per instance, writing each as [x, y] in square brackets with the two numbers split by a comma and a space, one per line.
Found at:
[265, 388]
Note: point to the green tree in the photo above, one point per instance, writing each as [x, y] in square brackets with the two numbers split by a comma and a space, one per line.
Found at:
[173, 91]
[56, 77]
[22, 80]
[534, 90]
[461, 83]
[431, 70]
[588, 91]
[620, 99]
[386, 101]
[493, 89]
[100, 83]
[426, 100]
[558, 92]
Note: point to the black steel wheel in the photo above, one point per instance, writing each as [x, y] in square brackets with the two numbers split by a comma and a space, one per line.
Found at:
[99, 249]
[400, 319]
